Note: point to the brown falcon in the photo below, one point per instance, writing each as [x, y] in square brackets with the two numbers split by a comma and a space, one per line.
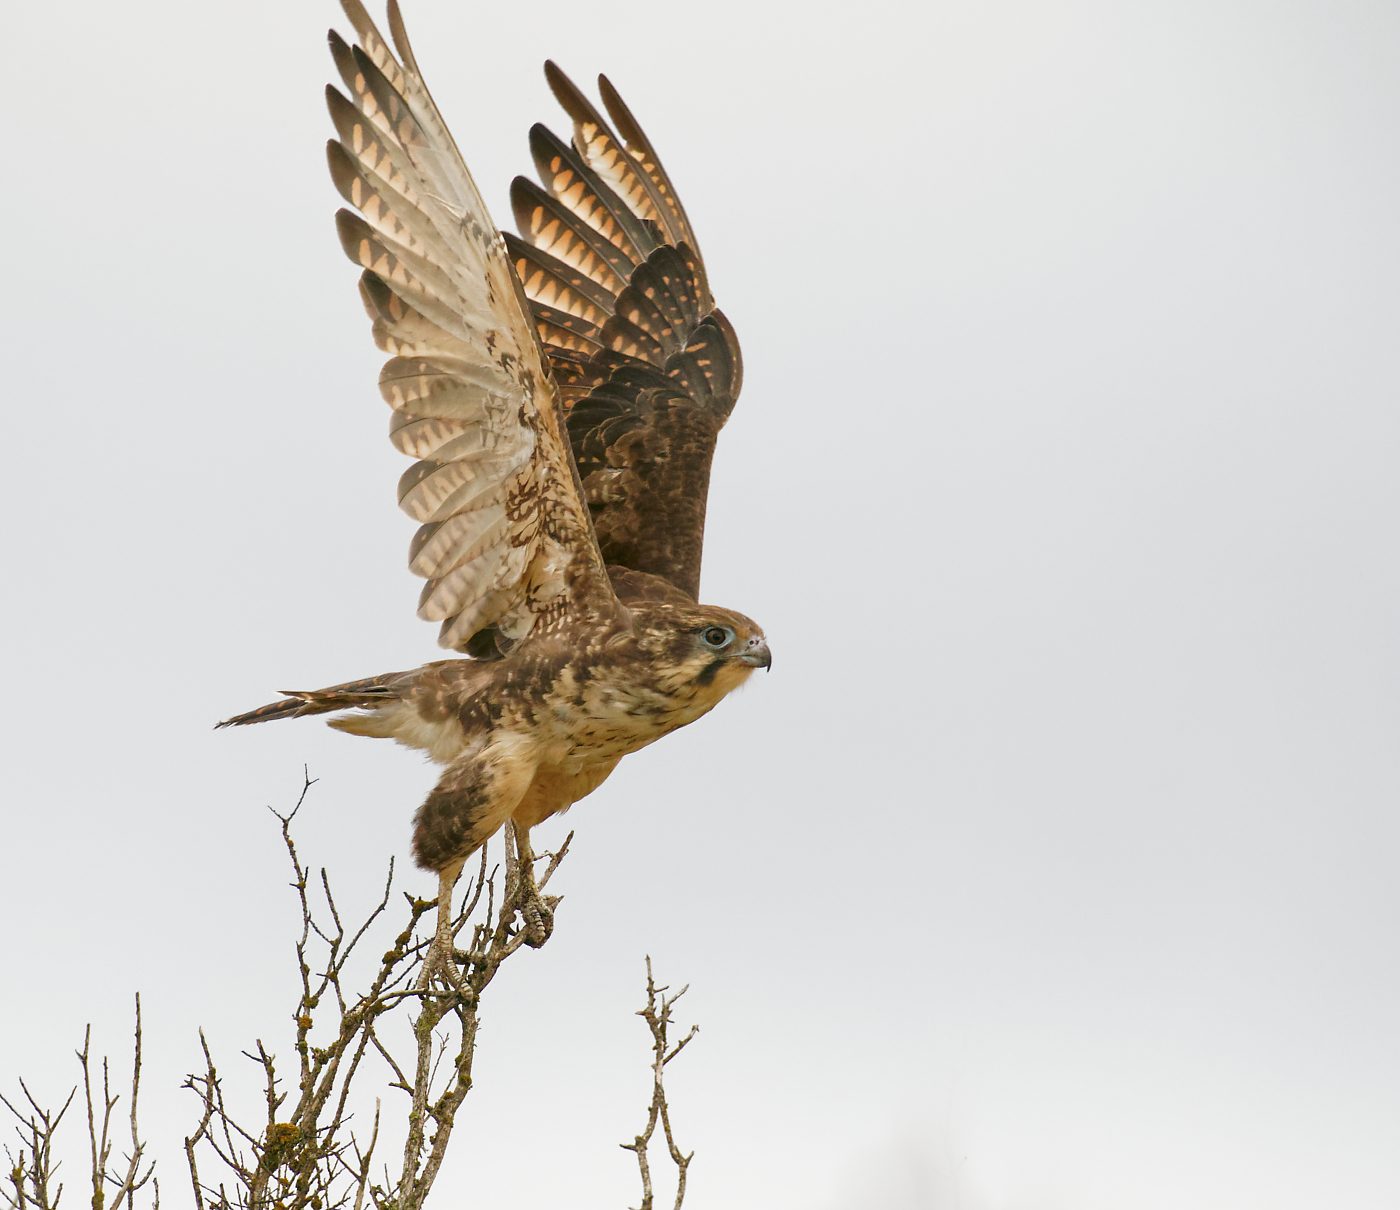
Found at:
[562, 392]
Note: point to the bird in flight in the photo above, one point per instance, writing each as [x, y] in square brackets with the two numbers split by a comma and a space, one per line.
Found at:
[561, 392]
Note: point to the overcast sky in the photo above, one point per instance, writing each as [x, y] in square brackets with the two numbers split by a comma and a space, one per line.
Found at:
[1053, 866]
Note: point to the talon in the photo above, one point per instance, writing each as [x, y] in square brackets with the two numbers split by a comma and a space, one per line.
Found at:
[535, 910]
[538, 915]
[440, 963]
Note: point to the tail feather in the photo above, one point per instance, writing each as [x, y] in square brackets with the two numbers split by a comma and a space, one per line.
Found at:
[295, 703]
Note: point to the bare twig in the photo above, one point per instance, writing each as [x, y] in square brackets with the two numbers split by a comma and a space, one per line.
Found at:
[32, 1177]
[657, 1014]
[305, 1153]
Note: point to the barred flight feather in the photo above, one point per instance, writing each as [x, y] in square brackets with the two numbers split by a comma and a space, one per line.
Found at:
[506, 540]
[605, 231]
[553, 228]
[640, 149]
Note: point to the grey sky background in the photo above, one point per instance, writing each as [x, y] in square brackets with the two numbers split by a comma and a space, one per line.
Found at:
[1053, 865]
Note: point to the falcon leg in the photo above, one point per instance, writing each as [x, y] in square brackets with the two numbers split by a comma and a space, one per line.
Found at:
[439, 960]
[536, 911]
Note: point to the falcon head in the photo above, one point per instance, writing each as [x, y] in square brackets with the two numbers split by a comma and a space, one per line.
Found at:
[701, 650]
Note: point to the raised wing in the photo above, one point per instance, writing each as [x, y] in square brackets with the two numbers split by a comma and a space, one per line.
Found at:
[506, 544]
[648, 369]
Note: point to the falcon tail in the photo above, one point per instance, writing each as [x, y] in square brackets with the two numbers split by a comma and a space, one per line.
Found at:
[366, 694]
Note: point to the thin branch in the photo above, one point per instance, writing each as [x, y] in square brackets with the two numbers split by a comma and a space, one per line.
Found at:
[657, 1014]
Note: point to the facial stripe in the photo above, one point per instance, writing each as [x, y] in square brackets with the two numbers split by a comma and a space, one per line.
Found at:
[710, 671]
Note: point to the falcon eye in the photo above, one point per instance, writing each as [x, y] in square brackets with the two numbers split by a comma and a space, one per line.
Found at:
[717, 637]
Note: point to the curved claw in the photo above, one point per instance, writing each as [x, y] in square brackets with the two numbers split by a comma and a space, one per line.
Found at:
[538, 914]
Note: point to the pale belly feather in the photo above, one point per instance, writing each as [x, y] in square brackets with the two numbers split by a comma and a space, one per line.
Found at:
[556, 789]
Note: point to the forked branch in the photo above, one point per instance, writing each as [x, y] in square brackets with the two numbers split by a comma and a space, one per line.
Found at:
[657, 1014]
[304, 1151]
[32, 1176]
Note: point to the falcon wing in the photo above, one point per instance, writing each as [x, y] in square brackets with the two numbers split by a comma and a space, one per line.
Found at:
[506, 543]
[648, 369]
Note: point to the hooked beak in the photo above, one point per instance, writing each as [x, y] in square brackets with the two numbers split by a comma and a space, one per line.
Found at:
[756, 653]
